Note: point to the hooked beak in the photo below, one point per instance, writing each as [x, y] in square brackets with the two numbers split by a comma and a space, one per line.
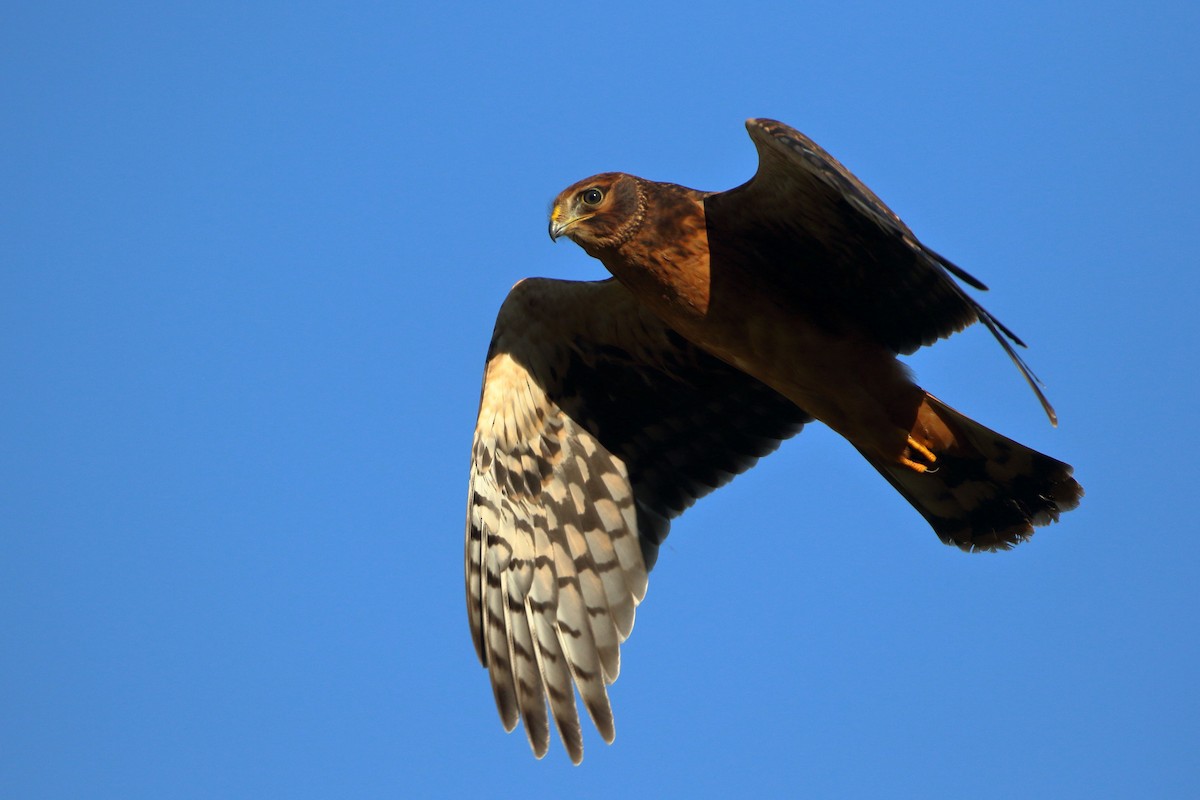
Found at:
[559, 222]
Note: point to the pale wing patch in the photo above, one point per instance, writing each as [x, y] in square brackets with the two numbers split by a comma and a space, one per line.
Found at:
[596, 426]
[563, 564]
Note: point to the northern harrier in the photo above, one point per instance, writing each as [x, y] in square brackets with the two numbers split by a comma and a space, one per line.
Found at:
[733, 318]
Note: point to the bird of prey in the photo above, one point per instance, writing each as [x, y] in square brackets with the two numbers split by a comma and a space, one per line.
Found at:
[731, 320]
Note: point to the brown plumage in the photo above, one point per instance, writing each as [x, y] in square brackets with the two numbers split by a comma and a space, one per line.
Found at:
[736, 316]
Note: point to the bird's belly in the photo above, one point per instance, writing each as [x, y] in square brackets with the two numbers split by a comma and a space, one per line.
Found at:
[855, 386]
[841, 377]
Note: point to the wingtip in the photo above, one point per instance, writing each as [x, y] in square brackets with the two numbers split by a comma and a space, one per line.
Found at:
[539, 746]
[763, 124]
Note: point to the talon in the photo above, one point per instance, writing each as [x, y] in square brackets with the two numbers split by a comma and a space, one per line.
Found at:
[922, 450]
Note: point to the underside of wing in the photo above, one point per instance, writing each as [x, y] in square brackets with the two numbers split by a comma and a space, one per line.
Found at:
[597, 426]
[843, 256]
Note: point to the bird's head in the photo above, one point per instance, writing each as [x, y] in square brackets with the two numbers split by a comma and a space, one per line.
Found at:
[600, 212]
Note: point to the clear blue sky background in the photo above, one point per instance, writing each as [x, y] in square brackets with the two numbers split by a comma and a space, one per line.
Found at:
[251, 258]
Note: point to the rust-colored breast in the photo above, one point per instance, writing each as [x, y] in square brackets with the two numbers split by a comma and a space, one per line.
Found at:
[666, 265]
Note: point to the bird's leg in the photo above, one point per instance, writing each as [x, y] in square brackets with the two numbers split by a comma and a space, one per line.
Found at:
[921, 450]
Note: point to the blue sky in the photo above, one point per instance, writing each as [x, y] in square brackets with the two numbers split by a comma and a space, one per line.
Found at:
[252, 255]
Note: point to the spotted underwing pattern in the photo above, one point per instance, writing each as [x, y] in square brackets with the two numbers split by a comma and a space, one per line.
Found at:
[597, 426]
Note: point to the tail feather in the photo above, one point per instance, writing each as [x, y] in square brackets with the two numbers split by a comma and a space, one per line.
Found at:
[985, 491]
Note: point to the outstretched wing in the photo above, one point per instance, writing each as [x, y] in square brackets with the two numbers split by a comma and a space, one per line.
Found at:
[809, 223]
[597, 425]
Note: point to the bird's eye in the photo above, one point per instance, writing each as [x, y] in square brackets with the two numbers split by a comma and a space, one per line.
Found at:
[592, 196]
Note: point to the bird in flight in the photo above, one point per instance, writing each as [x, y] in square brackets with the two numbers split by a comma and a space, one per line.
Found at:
[732, 319]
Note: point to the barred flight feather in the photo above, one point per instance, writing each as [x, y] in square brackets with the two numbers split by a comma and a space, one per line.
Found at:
[597, 425]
